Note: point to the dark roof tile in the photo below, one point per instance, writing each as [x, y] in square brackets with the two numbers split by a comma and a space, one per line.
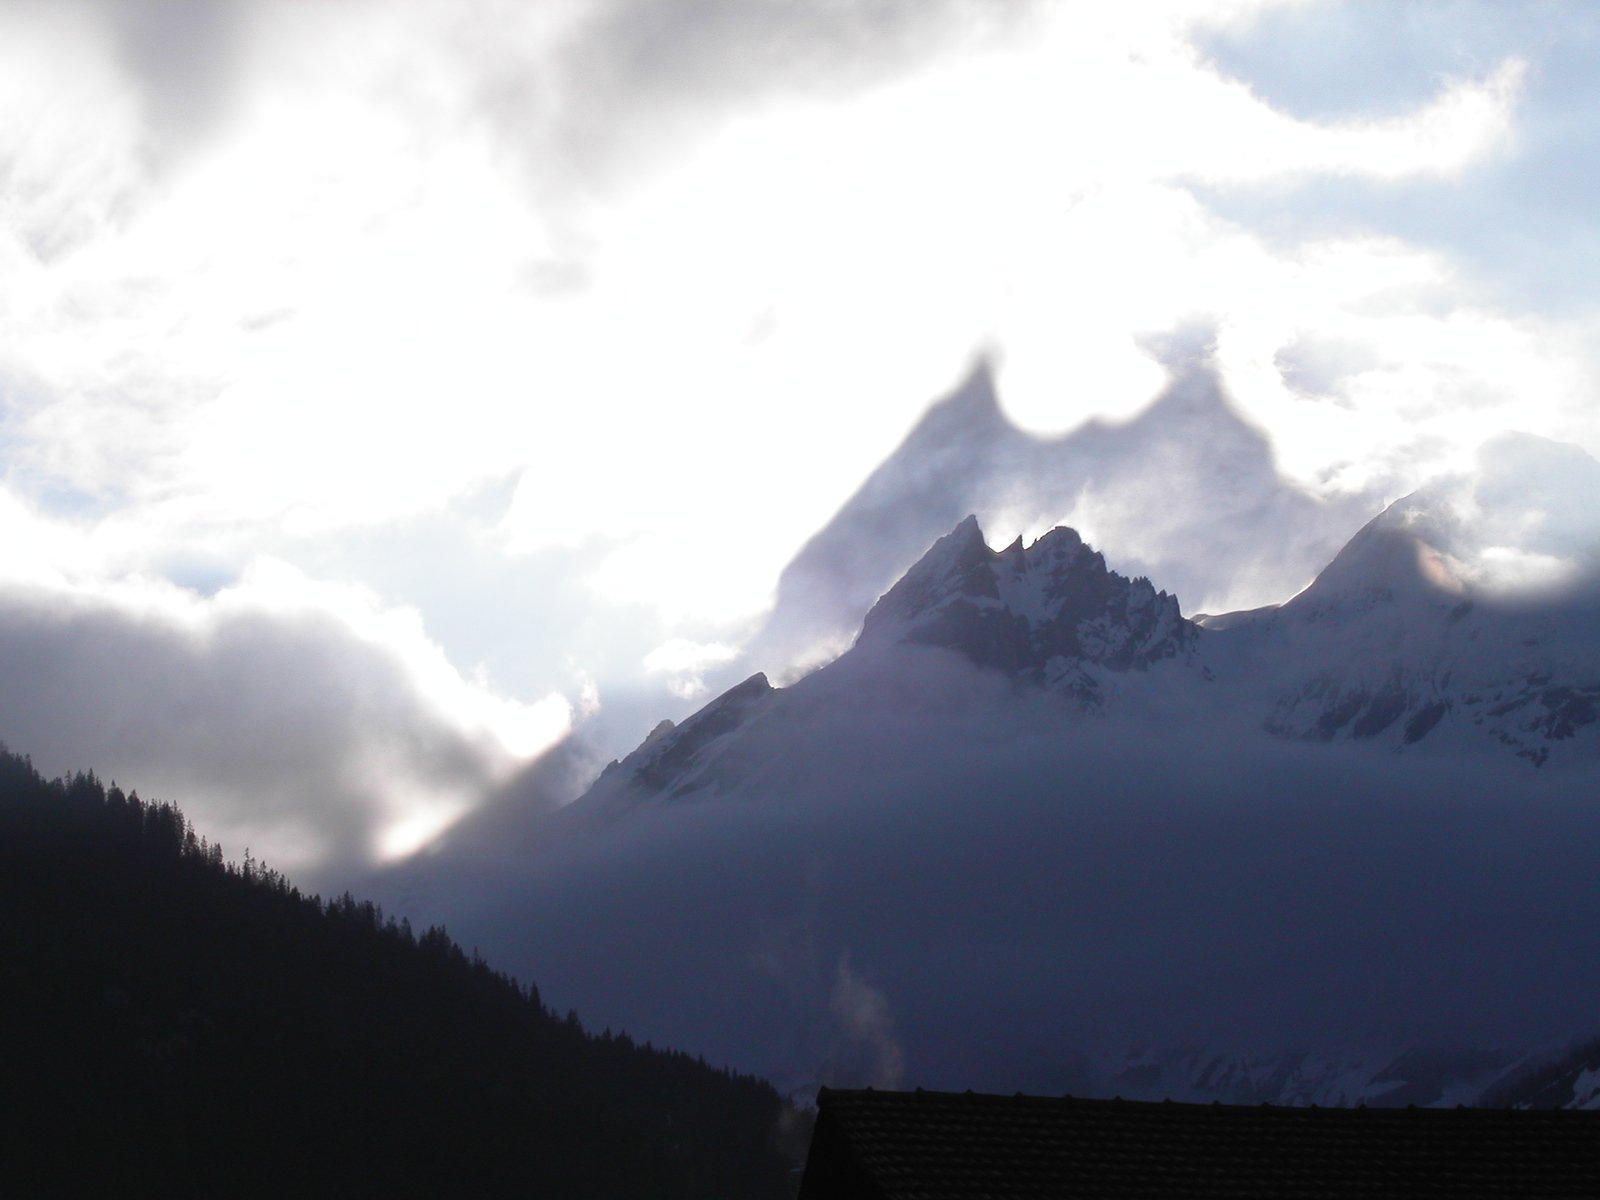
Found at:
[959, 1146]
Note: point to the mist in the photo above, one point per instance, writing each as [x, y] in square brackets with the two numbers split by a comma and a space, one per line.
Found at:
[1026, 891]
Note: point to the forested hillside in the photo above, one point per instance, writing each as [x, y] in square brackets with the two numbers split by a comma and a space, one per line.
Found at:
[177, 1025]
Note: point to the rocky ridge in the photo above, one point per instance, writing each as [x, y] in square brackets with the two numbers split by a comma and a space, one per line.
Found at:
[1050, 613]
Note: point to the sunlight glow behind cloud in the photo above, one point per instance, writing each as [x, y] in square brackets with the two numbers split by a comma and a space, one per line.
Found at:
[336, 287]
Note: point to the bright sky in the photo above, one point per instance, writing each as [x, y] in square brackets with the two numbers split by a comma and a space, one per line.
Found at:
[385, 388]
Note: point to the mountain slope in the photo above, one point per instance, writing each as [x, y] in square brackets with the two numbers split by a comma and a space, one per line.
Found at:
[1037, 830]
[673, 761]
[1426, 627]
[1050, 613]
[179, 1027]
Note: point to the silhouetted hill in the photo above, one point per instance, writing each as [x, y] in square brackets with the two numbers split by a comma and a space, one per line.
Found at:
[180, 1026]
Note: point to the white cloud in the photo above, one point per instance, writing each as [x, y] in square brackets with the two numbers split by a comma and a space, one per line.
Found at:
[1509, 570]
[685, 663]
[326, 316]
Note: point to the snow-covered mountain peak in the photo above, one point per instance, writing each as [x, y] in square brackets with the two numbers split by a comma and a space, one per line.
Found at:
[671, 748]
[952, 564]
[1522, 527]
[1397, 559]
[1052, 612]
[673, 759]
[1464, 613]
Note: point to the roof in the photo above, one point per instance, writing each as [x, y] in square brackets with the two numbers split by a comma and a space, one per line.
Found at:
[954, 1146]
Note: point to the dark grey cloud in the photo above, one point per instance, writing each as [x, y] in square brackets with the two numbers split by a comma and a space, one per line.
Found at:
[637, 82]
[281, 728]
[185, 57]
[722, 50]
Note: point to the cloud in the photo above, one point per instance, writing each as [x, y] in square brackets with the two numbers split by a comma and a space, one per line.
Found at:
[685, 664]
[1456, 129]
[1343, 62]
[68, 144]
[866, 1024]
[1518, 227]
[1525, 522]
[628, 86]
[302, 719]
[184, 56]
[412, 353]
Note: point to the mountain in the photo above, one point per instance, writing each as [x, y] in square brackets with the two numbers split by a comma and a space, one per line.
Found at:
[1391, 644]
[1186, 492]
[668, 765]
[1427, 628]
[1038, 830]
[1424, 1075]
[180, 1026]
[1050, 613]
[1404, 636]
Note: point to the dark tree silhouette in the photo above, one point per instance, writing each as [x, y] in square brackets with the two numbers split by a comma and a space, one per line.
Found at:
[177, 1025]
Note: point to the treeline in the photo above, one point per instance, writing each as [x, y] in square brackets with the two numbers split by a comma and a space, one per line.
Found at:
[174, 1024]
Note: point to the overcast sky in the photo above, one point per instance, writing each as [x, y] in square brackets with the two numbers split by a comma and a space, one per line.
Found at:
[387, 388]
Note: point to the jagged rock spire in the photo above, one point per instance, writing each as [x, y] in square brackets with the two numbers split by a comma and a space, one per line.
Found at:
[1035, 611]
